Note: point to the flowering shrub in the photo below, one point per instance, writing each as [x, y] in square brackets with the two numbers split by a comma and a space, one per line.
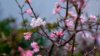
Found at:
[64, 35]
[71, 24]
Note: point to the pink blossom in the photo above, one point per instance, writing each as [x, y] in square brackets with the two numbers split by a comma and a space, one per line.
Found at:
[57, 9]
[29, 12]
[27, 53]
[34, 45]
[62, 1]
[60, 33]
[87, 6]
[74, 48]
[30, 1]
[70, 14]
[28, 35]
[82, 19]
[39, 55]
[80, 32]
[81, 4]
[53, 35]
[20, 49]
[74, 16]
[37, 22]
[36, 50]
[69, 23]
[86, 36]
[92, 17]
[92, 37]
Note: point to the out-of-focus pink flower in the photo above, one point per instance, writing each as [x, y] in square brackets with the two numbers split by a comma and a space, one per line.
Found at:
[29, 12]
[92, 17]
[69, 23]
[36, 50]
[80, 32]
[60, 33]
[86, 36]
[82, 19]
[92, 37]
[20, 49]
[34, 45]
[77, 3]
[70, 14]
[57, 9]
[81, 4]
[27, 53]
[74, 16]
[53, 35]
[87, 6]
[66, 46]
[37, 22]
[62, 1]
[27, 35]
[39, 55]
[28, 1]
[74, 48]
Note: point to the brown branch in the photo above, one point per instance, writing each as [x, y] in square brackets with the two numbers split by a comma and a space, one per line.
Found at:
[50, 50]
[22, 13]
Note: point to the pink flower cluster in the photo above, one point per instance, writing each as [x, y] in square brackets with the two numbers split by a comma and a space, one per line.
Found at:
[70, 14]
[37, 22]
[27, 35]
[69, 23]
[67, 47]
[35, 46]
[56, 34]
[25, 52]
[92, 17]
[62, 1]
[87, 36]
[29, 12]
[57, 9]
[82, 19]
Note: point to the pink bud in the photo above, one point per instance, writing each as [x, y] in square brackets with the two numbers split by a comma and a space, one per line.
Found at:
[29, 12]
[20, 49]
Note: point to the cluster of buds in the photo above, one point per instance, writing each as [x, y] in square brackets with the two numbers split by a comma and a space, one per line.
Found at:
[27, 35]
[56, 34]
[37, 22]
[70, 14]
[92, 17]
[57, 9]
[35, 46]
[25, 52]
[69, 23]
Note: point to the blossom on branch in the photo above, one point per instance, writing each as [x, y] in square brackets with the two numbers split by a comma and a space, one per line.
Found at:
[29, 12]
[57, 9]
[37, 22]
[25, 52]
[92, 17]
[27, 35]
